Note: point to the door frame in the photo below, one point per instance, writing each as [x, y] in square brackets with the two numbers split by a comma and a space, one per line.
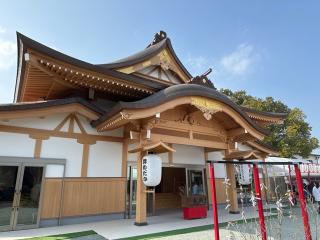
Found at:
[21, 163]
[196, 168]
[128, 210]
[15, 225]
[12, 214]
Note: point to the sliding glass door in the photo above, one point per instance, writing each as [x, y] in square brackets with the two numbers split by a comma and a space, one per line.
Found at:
[8, 197]
[131, 195]
[20, 189]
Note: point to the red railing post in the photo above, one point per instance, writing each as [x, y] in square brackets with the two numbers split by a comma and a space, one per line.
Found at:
[259, 202]
[214, 202]
[303, 206]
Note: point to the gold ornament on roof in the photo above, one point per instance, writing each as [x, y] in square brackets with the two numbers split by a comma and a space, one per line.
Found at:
[164, 64]
[207, 106]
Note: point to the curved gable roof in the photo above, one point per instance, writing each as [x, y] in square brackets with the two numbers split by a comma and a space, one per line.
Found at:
[25, 43]
[176, 91]
[6, 109]
[145, 54]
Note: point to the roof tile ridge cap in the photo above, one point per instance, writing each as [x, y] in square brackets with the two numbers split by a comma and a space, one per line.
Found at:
[158, 46]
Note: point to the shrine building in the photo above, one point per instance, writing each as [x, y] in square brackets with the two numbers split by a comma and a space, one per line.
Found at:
[73, 140]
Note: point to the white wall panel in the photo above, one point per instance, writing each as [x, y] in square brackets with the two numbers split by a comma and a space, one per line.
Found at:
[89, 129]
[65, 148]
[48, 123]
[188, 155]
[219, 168]
[16, 145]
[52, 121]
[54, 171]
[105, 159]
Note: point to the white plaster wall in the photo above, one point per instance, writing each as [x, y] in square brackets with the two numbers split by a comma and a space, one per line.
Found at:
[67, 149]
[90, 130]
[16, 145]
[105, 159]
[47, 123]
[53, 171]
[219, 168]
[52, 121]
[188, 155]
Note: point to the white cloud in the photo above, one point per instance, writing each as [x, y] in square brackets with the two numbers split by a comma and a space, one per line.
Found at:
[7, 53]
[240, 61]
[198, 63]
[2, 30]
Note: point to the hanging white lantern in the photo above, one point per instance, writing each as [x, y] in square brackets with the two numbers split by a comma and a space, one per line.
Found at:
[244, 177]
[151, 170]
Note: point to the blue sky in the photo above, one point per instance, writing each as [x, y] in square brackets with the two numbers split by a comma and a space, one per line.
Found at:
[268, 48]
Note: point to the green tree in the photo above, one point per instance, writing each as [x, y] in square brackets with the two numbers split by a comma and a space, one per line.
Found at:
[293, 137]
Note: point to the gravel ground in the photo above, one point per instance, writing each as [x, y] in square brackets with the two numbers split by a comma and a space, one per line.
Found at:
[289, 228]
[207, 235]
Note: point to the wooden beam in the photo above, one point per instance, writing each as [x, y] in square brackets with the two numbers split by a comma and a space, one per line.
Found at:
[83, 131]
[156, 147]
[71, 124]
[47, 111]
[62, 123]
[51, 133]
[235, 132]
[187, 141]
[55, 77]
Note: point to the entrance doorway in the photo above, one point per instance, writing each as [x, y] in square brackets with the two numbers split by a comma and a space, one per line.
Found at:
[131, 194]
[20, 190]
[168, 192]
[175, 182]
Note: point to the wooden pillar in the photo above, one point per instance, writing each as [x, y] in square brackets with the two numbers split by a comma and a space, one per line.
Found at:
[232, 190]
[85, 160]
[124, 158]
[38, 143]
[141, 205]
[37, 148]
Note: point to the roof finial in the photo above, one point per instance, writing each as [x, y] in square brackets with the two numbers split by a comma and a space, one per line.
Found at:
[158, 37]
[203, 79]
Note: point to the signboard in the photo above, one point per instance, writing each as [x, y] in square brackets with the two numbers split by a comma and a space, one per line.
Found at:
[151, 170]
[310, 168]
[244, 174]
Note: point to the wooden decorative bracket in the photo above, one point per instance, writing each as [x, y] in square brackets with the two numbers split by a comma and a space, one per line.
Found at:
[207, 106]
[155, 147]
